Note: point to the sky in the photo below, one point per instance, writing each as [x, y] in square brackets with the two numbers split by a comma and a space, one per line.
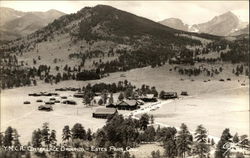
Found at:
[190, 12]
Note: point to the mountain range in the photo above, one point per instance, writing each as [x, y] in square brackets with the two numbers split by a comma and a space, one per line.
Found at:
[102, 29]
[14, 24]
[111, 40]
[227, 24]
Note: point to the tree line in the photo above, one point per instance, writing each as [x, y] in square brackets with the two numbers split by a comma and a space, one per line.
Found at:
[122, 132]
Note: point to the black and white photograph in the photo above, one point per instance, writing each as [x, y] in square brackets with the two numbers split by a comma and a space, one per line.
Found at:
[124, 79]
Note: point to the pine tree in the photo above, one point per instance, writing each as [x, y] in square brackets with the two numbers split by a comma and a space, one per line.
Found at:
[212, 142]
[52, 138]
[158, 130]
[121, 97]
[89, 135]
[144, 121]
[152, 119]
[78, 132]
[155, 154]
[45, 134]
[168, 136]
[201, 147]
[221, 152]
[7, 141]
[126, 155]
[1, 139]
[66, 133]
[184, 141]
[149, 134]
[36, 139]
[111, 99]
[100, 102]
[236, 138]
[16, 136]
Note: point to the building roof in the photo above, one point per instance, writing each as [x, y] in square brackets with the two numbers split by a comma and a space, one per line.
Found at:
[105, 111]
[170, 93]
[45, 106]
[128, 102]
[149, 96]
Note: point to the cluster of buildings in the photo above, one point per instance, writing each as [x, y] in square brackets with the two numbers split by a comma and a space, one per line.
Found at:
[129, 104]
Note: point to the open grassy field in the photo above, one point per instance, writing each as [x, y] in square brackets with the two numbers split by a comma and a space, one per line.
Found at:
[26, 118]
[215, 104]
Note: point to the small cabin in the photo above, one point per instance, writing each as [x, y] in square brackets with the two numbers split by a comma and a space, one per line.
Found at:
[50, 103]
[39, 100]
[70, 102]
[184, 93]
[104, 113]
[35, 94]
[45, 107]
[52, 99]
[26, 102]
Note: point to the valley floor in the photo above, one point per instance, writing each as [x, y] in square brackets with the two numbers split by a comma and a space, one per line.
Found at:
[215, 104]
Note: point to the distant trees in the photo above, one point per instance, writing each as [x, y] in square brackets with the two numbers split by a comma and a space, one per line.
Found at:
[122, 132]
[44, 137]
[118, 132]
[87, 75]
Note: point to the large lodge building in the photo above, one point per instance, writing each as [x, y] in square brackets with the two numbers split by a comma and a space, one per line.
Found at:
[125, 105]
[104, 112]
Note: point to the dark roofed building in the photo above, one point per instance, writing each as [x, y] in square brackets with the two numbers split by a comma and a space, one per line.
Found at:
[127, 105]
[149, 98]
[104, 112]
[169, 95]
[111, 105]
[79, 95]
[45, 107]
[71, 102]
